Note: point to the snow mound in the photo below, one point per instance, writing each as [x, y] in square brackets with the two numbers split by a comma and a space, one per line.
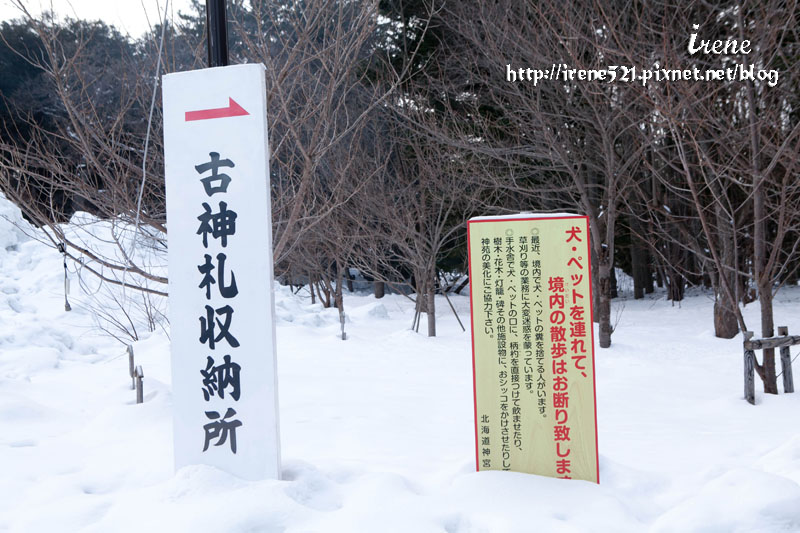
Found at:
[291, 308]
[738, 500]
[783, 460]
[10, 223]
[375, 311]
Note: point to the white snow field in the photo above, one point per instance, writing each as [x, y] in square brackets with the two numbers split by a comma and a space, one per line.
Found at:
[377, 430]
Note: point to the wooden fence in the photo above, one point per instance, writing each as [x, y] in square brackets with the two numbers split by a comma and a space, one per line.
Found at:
[784, 341]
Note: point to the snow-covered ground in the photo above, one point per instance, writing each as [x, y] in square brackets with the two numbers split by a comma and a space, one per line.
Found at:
[377, 430]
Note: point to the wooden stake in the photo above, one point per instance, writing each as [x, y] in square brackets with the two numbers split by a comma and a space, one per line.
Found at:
[131, 368]
[786, 363]
[139, 387]
[749, 366]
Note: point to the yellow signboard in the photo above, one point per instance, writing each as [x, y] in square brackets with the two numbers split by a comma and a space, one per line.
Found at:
[532, 349]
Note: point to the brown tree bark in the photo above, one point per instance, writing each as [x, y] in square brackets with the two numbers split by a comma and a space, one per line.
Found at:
[604, 305]
[638, 265]
[725, 324]
[379, 289]
[431, 308]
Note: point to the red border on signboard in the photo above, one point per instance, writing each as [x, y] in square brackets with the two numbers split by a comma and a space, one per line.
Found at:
[591, 325]
[472, 335]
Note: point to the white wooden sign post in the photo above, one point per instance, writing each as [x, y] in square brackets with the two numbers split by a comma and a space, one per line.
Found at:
[221, 313]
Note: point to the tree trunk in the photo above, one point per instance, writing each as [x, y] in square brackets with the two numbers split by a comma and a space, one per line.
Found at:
[647, 276]
[792, 278]
[431, 308]
[768, 330]
[339, 298]
[675, 279]
[636, 270]
[764, 286]
[676, 283]
[762, 276]
[596, 288]
[348, 279]
[725, 323]
[327, 290]
[604, 305]
[639, 269]
[379, 289]
[417, 311]
[420, 285]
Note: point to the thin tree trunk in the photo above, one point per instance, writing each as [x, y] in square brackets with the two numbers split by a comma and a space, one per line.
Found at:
[431, 306]
[348, 279]
[379, 289]
[328, 291]
[659, 277]
[725, 323]
[636, 267]
[638, 260]
[647, 276]
[768, 330]
[763, 278]
[675, 279]
[604, 305]
[596, 287]
[676, 289]
[339, 298]
[764, 286]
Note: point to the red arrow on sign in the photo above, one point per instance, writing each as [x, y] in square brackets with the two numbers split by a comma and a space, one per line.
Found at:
[233, 110]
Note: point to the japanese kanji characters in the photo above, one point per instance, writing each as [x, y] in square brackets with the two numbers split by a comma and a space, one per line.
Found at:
[209, 325]
[217, 378]
[216, 322]
[220, 225]
[533, 345]
[572, 344]
[219, 429]
[221, 271]
[226, 291]
[222, 180]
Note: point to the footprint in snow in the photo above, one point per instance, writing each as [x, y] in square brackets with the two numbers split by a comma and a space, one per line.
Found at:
[9, 289]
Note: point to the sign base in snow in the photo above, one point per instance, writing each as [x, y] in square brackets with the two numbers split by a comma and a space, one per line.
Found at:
[222, 324]
[533, 356]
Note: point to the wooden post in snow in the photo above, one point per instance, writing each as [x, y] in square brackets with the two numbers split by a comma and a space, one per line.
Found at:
[139, 387]
[786, 363]
[131, 368]
[749, 369]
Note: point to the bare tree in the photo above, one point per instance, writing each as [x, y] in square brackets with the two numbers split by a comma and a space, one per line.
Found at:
[88, 155]
[734, 146]
[321, 87]
[580, 138]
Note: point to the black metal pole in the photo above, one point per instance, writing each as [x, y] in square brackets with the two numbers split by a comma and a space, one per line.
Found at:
[217, 26]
